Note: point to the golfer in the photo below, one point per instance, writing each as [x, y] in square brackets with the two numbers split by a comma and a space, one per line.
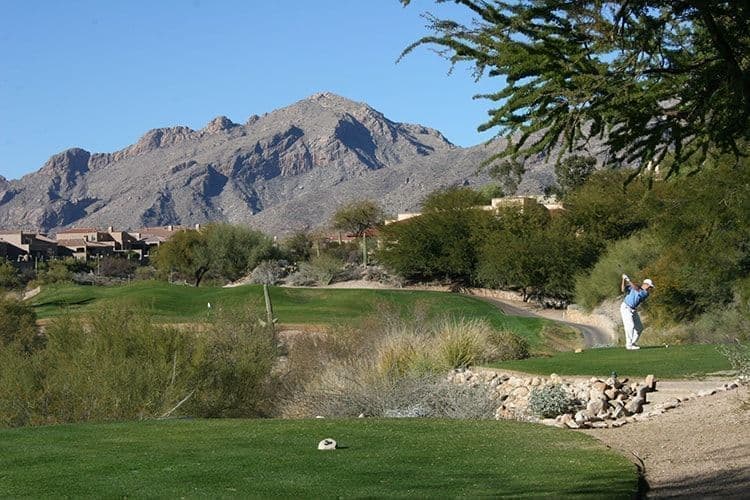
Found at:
[634, 296]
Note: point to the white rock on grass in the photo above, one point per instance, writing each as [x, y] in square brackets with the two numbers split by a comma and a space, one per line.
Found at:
[327, 444]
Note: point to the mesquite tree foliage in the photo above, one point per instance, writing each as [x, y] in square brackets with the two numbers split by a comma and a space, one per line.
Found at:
[651, 78]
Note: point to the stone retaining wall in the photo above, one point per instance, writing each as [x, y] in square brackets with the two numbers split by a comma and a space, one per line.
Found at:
[595, 403]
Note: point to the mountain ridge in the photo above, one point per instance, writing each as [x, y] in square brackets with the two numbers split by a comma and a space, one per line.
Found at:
[282, 171]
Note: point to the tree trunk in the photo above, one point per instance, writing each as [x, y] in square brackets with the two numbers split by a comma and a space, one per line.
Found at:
[199, 275]
[364, 250]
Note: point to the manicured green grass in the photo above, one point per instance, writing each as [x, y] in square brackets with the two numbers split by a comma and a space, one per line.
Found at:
[684, 361]
[279, 458]
[183, 304]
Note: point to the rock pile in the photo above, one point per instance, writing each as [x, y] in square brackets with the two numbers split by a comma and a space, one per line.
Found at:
[593, 403]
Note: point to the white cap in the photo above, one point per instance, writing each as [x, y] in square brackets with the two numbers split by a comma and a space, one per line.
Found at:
[648, 282]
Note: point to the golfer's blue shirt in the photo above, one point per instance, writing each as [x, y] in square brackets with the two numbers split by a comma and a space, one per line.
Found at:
[633, 297]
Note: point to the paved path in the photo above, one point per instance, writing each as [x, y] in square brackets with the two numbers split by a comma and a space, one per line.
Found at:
[592, 336]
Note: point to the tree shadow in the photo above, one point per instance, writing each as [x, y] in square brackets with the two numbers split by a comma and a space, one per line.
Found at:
[730, 483]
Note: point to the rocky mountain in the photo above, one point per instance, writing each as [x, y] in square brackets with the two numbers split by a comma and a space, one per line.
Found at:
[283, 171]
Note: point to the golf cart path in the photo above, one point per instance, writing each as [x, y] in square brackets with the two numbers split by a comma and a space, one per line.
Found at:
[699, 450]
[593, 336]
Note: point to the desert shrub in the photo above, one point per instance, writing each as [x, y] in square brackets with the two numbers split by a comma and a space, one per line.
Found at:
[111, 366]
[311, 353]
[462, 342]
[234, 368]
[55, 271]
[506, 345]
[9, 276]
[298, 247]
[117, 267]
[738, 354]
[550, 401]
[115, 366]
[18, 330]
[322, 270]
[381, 275]
[405, 354]
[347, 392]
[727, 324]
[349, 252]
[385, 365]
[268, 272]
[118, 365]
[145, 273]
[19, 388]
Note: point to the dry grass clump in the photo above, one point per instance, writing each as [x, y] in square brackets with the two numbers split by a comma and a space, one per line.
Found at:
[396, 367]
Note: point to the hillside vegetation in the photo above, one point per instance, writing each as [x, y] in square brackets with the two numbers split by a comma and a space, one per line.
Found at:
[688, 234]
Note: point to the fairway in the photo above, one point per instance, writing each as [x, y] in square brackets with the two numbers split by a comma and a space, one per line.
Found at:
[316, 306]
[685, 361]
[279, 458]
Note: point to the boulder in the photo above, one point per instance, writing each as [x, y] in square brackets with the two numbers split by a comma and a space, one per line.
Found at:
[595, 407]
[669, 405]
[572, 424]
[642, 391]
[520, 392]
[618, 408]
[635, 405]
[599, 386]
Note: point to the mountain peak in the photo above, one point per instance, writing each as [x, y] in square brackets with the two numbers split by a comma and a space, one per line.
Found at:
[71, 160]
[331, 100]
[160, 137]
[219, 124]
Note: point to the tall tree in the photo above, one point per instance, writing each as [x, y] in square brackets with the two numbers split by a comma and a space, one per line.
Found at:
[187, 253]
[648, 77]
[357, 217]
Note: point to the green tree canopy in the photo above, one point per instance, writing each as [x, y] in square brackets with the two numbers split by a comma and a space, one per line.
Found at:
[602, 209]
[226, 251]
[648, 77]
[453, 198]
[185, 252]
[440, 244]
[358, 216]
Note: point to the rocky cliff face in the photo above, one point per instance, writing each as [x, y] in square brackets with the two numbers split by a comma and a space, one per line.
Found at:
[279, 172]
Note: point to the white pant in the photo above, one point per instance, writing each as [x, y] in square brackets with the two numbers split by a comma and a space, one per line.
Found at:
[632, 323]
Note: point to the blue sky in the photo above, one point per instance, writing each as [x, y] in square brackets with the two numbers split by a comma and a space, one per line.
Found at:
[99, 74]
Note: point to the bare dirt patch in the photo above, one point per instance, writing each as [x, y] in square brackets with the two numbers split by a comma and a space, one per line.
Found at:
[700, 449]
